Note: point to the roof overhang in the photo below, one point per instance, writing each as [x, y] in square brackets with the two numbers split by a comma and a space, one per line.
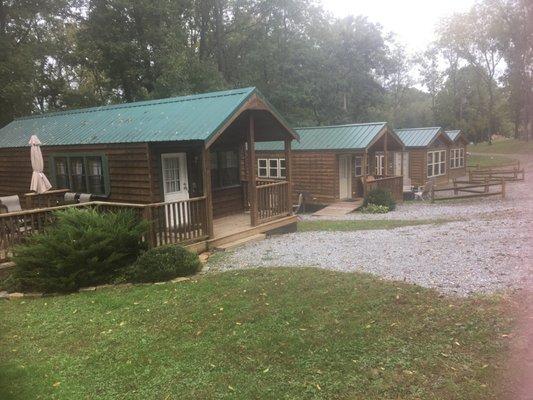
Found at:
[254, 102]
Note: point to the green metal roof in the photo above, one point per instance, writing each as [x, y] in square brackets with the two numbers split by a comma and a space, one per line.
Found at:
[418, 137]
[195, 117]
[338, 137]
[453, 135]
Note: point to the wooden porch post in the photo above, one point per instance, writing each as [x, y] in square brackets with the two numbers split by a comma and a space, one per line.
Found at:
[386, 157]
[288, 178]
[252, 172]
[206, 181]
[365, 175]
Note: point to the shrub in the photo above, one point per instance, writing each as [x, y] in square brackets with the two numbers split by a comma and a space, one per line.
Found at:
[380, 197]
[81, 248]
[375, 209]
[162, 264]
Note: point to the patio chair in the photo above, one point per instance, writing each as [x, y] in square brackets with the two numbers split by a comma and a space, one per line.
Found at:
[10, 203]
[424, 191]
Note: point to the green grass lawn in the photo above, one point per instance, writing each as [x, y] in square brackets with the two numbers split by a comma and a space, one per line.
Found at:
[509, 146]
[256, 334]
[489, 161]
[345, 225]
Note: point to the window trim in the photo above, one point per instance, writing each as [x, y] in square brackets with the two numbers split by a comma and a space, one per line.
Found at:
[278, 168]
[433, 163]
[68, 155]
[457, 158]
[259, 168]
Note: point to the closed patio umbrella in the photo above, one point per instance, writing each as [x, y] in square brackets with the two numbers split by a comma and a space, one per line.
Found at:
[39, 181]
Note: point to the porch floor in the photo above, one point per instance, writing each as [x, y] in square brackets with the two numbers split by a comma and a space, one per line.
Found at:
[231, 224]
[340, 208]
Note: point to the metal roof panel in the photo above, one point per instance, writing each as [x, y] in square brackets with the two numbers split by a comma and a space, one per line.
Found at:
[418, 137]
[338, 137]
[194, 117]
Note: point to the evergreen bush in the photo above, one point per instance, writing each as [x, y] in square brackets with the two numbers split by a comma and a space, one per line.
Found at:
[162, 264]
[380, 197]
[83, 247]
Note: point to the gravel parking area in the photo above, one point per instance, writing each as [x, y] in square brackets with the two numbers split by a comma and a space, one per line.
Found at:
[488, 250]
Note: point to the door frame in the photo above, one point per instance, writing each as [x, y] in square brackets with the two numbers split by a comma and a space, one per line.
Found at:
[184, 174]
[347, 159]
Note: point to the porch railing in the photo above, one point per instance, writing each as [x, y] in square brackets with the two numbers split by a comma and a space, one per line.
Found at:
[272, 201]
[170, 223]
[50, 198]
[392, 183]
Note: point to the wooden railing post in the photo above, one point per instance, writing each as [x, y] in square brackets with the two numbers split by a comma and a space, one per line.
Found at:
[503, 188]
[432, 194]
[455, 192]
[148, 216]
[486, 184]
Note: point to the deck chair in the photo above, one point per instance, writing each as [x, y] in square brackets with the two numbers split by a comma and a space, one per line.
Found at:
[424, 191]
[10, 203]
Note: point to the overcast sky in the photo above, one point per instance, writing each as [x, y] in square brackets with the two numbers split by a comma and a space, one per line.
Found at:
[413, 21]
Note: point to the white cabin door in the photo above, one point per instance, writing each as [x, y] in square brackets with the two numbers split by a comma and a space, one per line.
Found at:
[406, 172]
[345, 177]
[175, 185]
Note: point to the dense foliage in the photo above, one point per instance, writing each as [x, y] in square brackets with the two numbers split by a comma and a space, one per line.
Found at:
[372, 208]
[162, 264]
[82, 248]
[380, 197]
[314, 68]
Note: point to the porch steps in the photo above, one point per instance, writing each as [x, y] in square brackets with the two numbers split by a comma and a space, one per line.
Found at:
[241, 242]
[340, 208]
[217, 242]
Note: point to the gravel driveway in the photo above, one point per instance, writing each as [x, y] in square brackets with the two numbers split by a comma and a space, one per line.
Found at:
[488, 250]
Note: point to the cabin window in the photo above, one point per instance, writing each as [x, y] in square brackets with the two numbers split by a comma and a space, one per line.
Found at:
[224, 168]
[358, 167]
[262, 171]
[273, 168]
[81, 173]
[457, 158]
[436, 163]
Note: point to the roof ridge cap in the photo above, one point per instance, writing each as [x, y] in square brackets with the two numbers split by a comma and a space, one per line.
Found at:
[340, 126]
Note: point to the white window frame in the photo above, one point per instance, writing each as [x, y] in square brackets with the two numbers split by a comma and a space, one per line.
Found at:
[457, 158]
[265, 167]
[270, 165]
[436, 165]
[380, 164]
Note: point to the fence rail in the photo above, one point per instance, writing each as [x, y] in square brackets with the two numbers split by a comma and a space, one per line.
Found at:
[473, 189]
[272, 201]
[50, 198]
[170, 223]
[496, 174]
[392, 183]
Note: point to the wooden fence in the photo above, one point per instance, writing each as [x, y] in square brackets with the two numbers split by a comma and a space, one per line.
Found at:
[392, 183]
[171, 223]
[496, 174]
[467, 189]
[272, 201]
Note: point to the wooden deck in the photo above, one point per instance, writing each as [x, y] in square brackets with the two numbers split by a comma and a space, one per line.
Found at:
[340, 208]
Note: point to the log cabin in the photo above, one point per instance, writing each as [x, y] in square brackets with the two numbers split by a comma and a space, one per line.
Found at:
[178, 152]
[427, 155]
[457, 154]
[337, 163]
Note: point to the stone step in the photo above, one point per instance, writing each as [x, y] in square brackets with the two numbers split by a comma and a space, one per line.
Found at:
[241, 242]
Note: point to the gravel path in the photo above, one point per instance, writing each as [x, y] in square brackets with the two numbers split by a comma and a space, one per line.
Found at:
[488, 250]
